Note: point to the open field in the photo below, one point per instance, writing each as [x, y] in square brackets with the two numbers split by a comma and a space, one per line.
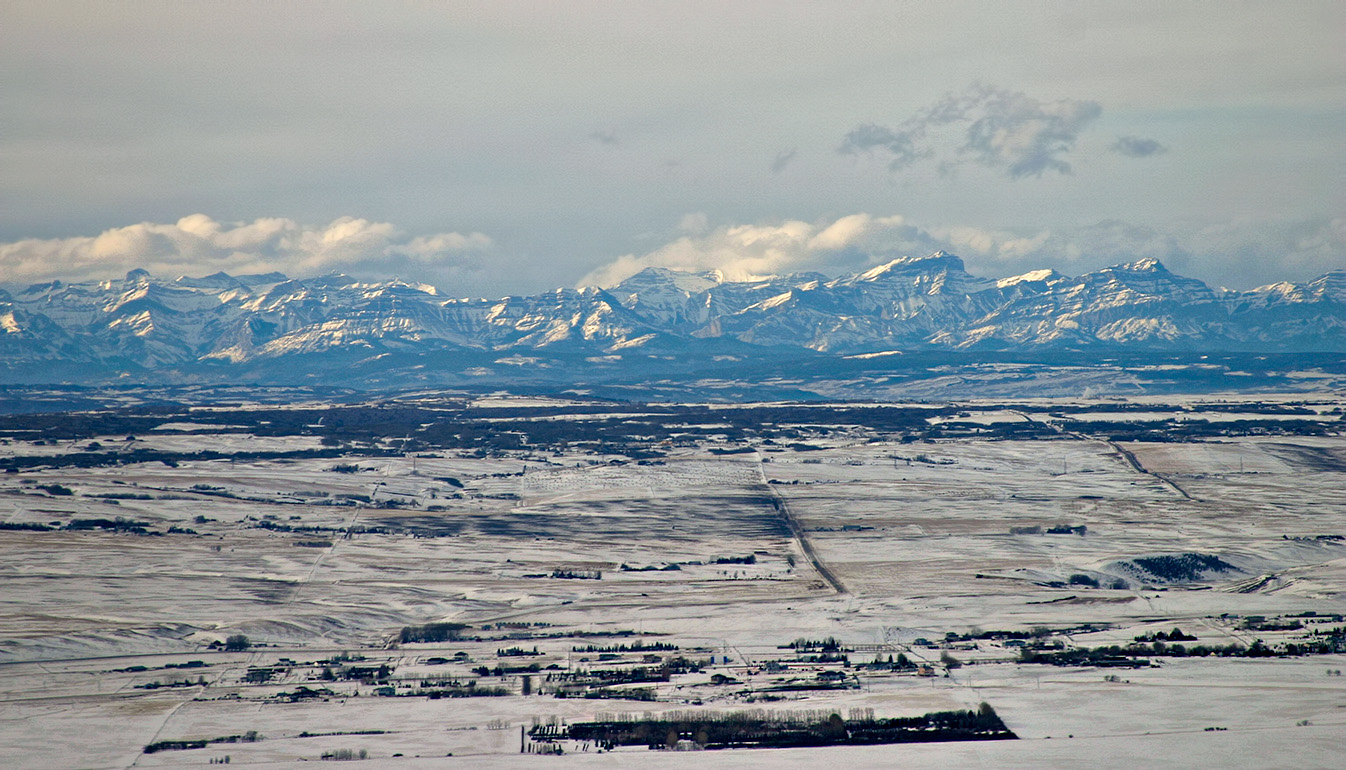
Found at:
[904, 559]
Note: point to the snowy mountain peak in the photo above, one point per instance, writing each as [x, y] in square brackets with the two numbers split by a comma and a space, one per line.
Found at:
[1147, 265]
[220, 280]
[1331, 285]
[662, 277]
[143, 323]
[939, 260]
[1034, 276]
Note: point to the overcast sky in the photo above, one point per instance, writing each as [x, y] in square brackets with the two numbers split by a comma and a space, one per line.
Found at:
[499, 147]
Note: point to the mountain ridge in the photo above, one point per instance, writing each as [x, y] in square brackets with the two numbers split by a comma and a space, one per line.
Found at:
[143, 323]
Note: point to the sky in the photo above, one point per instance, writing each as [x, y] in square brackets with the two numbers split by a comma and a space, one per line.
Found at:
[506, 148]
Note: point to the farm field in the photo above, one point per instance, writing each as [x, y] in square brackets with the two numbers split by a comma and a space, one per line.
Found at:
[1147, 583]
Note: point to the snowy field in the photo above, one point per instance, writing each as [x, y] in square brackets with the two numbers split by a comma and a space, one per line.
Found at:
[950, 553]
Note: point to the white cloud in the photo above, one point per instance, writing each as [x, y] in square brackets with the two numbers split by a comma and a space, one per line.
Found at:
[1015, 248]
[434, 247]
[842, 232]
[1239, 255]
[197, 245]
[972, 239]
[695, 223]
[745, 252]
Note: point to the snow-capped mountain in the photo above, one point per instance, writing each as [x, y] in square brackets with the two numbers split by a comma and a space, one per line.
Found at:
[143, 323]
[933, 301]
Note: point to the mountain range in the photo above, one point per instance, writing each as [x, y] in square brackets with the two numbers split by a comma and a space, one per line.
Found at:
[142, 324]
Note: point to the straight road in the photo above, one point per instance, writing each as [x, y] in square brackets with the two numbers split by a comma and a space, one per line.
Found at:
[805, 546]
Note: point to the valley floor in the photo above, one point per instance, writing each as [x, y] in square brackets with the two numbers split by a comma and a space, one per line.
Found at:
[709, 576]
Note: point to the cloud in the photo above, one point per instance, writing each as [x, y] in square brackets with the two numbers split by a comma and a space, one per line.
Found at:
[695, 223]
[782, 159]
[857, 241]
[746, 252]
[994, 127]
[428, 248]
[1025, 136]
[606, 138]
[197, 245]
[1258, 252]
[1239, 254]
[1112, 242]
[846, 231]
[1136, 147]
[902, 145]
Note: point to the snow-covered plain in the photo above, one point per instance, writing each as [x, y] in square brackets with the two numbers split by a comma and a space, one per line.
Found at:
[303, 561]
